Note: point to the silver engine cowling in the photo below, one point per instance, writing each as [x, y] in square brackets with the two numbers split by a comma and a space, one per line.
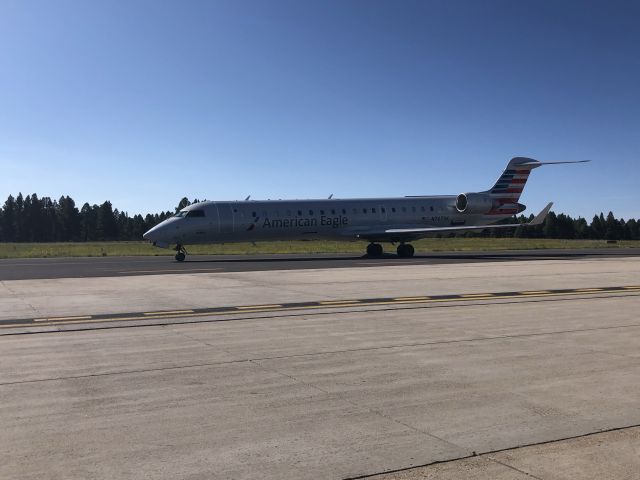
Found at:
[474, 203]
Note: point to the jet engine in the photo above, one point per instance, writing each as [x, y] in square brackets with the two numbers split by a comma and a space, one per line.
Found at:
[474, 203]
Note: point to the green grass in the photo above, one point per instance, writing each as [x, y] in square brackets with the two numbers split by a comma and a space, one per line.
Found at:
[104, 249]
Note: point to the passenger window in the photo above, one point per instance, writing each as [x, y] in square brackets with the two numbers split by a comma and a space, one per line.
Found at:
[254, 214]
[344, 212]
[431, 208]
[310, 212]
[333, 212]
[300, 213]
[321, 212]
[373, 210]
[364, 210]
[382, 209]
[393, 209]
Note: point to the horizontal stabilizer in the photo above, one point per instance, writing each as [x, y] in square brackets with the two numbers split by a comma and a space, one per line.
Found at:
[537, 164]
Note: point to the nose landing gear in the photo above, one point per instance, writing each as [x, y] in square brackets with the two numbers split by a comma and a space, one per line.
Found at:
[181, 253]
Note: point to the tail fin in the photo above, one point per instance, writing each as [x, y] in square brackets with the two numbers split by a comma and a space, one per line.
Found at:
[508, 188]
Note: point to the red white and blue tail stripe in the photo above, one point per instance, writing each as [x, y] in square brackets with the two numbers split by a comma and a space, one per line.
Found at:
[507, 190]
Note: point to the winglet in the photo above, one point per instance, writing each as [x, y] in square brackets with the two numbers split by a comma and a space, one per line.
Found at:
[539, 219]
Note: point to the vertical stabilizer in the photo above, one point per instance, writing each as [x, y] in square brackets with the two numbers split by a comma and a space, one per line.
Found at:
[508, 188]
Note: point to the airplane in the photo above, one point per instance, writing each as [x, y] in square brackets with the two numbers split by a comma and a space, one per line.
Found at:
[395, 220]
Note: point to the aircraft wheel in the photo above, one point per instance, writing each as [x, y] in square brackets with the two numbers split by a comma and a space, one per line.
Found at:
[405, 250]
[374, 250]
[180, 256]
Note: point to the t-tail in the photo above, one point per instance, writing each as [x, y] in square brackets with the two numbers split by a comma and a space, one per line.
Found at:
[506, 192]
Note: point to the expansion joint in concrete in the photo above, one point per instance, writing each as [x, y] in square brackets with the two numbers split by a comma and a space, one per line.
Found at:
[511, 467]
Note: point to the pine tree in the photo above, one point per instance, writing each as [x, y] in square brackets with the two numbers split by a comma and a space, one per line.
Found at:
[183, 203]
[613, 230]
[106, 227]
[9, 220]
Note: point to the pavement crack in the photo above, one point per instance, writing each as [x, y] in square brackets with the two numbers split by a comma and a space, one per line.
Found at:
[511, 467]
[201, 342]
[123, 372]
[488, 454]
[355, 404]
[22, 299]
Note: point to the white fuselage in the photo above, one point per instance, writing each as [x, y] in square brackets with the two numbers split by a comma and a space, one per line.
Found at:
[250, 221]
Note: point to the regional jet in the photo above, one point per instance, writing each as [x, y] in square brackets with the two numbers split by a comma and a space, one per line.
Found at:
[375, 220]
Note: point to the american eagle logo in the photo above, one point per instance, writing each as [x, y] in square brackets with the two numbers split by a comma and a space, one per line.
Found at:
[253, 225]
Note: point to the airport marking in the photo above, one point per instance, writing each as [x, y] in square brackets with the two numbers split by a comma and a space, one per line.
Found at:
[322, 304]
[339, 302]
[56, 319]
[408, 299]
[251, 307]
[170, 312]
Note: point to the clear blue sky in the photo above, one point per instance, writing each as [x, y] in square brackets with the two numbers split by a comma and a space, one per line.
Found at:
[144, 102]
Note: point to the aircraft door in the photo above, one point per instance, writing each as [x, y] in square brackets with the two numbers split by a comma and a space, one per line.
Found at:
[383, 213]
[226, 214]
[214, 222]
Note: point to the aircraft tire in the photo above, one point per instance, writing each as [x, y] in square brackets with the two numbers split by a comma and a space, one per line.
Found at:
[405, 250]
[374, 250]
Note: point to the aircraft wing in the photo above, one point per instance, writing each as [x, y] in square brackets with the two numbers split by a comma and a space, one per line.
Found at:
[397, 234]
[536, 221]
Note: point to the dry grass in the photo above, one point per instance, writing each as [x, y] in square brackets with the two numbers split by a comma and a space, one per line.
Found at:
[101, 249]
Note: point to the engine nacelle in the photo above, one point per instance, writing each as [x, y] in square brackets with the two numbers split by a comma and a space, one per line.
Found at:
[474, 203]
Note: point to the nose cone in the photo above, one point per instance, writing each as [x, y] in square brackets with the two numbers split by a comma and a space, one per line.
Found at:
[158, 235]
[149, 235]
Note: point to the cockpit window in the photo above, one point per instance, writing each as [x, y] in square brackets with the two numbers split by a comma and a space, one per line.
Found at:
[181, 214]
[195, 213]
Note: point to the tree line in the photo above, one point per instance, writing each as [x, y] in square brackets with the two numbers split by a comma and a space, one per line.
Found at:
[33, 219]
[565, 227]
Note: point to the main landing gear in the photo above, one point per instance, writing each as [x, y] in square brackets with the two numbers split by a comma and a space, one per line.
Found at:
[181, 253]
[374, 250]
[405, 250]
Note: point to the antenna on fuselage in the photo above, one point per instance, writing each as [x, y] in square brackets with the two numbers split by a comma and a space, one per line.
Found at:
[248, 197]
[330, 196]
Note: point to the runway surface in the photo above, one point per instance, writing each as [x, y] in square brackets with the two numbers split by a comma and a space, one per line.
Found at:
[79, 267]
[489, 370]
